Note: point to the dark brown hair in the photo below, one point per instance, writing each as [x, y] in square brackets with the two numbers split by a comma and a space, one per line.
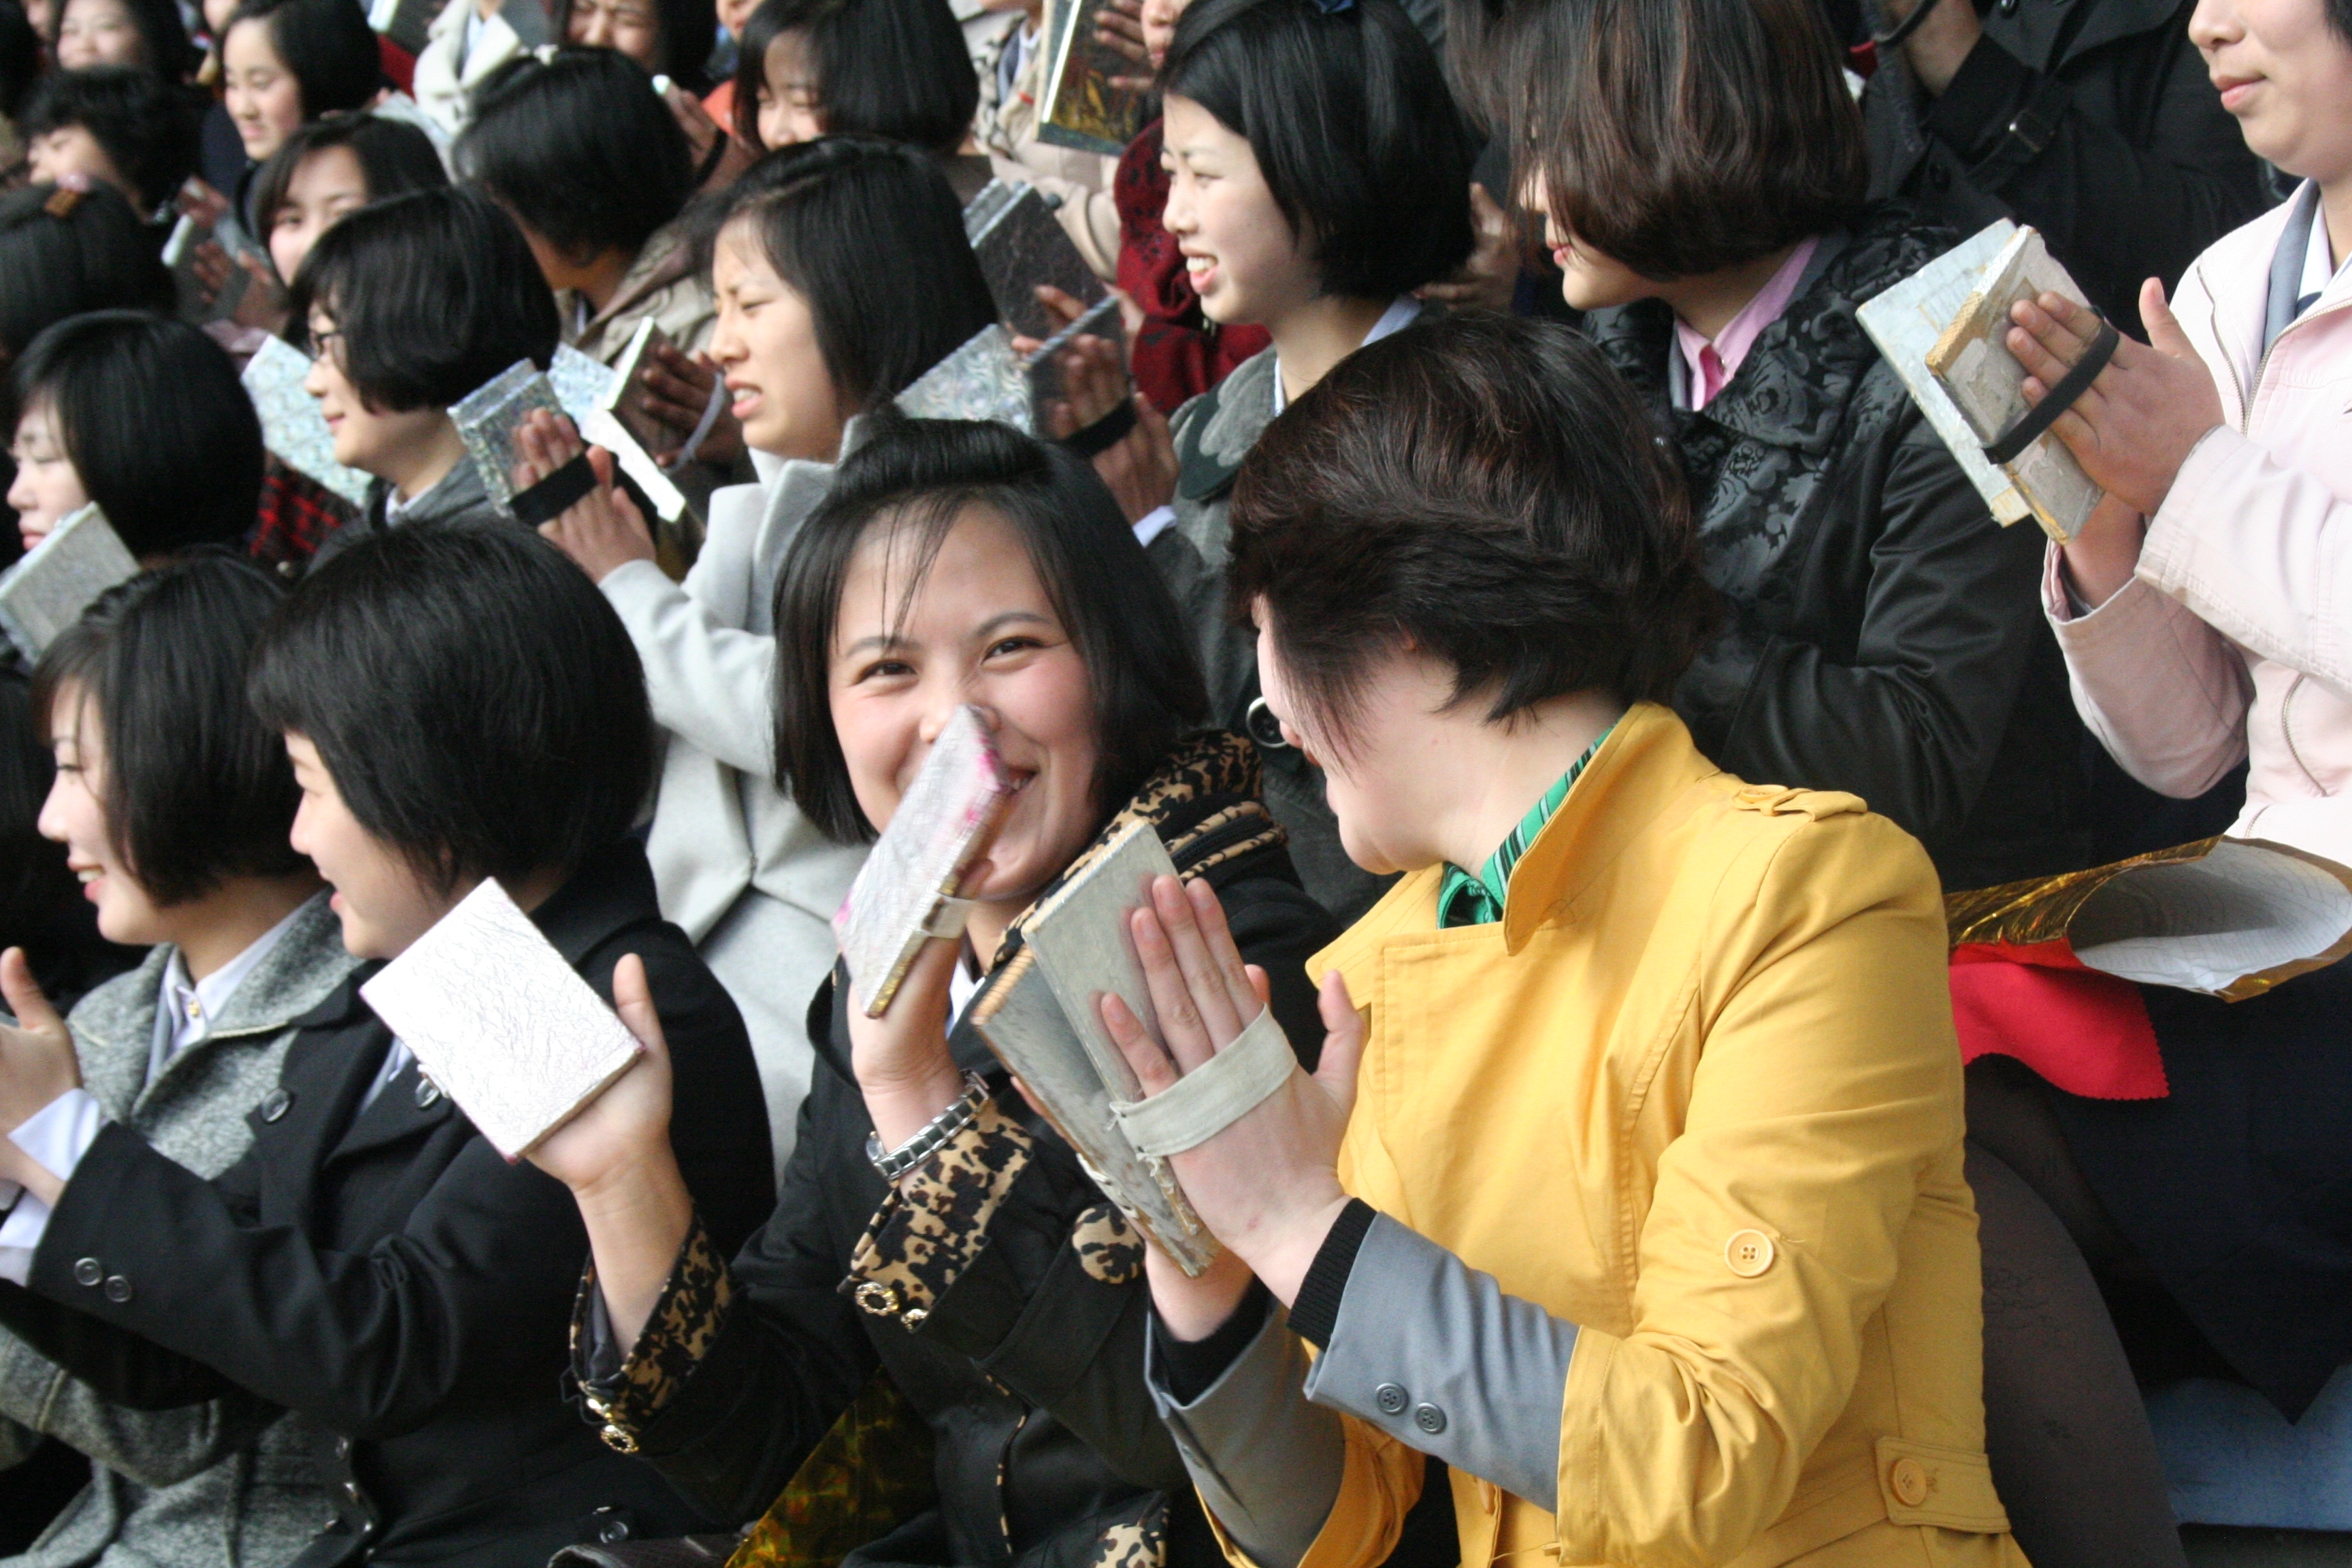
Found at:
[1486, 489]
[1679, 137]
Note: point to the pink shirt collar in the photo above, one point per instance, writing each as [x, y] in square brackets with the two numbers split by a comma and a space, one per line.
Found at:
[1712, 364]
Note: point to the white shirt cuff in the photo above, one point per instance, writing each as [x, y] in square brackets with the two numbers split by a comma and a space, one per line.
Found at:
[1153, 524]
[56, 1136]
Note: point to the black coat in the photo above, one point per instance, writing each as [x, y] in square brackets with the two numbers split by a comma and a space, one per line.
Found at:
[392, 1277]
[1885, 636]
[1029, 1371]
[2138, 167]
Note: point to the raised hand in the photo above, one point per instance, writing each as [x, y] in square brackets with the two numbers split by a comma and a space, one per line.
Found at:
[1267, 1186]
[2133, 425]
[37, 1065]
[603, 530]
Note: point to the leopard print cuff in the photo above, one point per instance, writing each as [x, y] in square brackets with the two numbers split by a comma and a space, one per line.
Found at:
[936, 1219]
[677, 1333]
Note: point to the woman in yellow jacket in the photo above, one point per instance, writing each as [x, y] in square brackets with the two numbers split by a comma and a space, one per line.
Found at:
[1630, 1185]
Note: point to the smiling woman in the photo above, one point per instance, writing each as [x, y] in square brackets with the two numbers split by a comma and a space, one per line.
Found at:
[995, 1289]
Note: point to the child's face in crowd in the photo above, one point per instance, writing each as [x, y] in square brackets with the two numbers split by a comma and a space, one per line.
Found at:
[1391, 779]
[374, 441]
[264, 99]
[790, 110]
[46, 488]
[632, 28]
[323, 187]
[980, 629]
[2287, 76]
[99, 32]
[75, 816]
[69, 151]
[766, 348]
[1245, 261]
[381, 900]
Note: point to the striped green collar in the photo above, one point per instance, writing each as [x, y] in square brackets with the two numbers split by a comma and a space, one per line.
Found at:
[1464, 899]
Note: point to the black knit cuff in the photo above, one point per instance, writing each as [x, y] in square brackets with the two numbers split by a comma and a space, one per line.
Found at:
[1194, 1366]
[1316, 1311]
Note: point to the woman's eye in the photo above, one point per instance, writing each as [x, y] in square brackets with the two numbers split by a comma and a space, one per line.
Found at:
[1013, 644]
[886, 669]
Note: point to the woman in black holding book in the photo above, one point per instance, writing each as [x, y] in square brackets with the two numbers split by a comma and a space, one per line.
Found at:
[459, 703]
[990, 1284]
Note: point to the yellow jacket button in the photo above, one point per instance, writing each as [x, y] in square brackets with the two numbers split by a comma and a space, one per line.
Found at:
[1909, 1479]
[1748, 1252]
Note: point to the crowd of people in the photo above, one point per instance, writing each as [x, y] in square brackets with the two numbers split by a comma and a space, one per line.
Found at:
[1567, 668]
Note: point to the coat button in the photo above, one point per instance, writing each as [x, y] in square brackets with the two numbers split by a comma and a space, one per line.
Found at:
[117, 1290]
[1910, 1481]
[1263, 727]
[1429, 1418]
[428, 1093]
[1390, 1398]
[1748, 1253]
[342, 1447]
[613, 1532]
[87, 1271]
[274, 1104]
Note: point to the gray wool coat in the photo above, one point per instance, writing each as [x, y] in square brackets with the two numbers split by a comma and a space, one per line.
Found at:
[230, 1483]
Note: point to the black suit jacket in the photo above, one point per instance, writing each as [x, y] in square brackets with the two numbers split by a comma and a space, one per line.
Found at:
[387, 1274]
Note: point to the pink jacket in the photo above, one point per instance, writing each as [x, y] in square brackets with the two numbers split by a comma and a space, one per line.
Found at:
[2234, 641]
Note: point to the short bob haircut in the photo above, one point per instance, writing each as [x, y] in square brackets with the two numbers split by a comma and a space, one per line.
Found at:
[196, 788]
[63, 252]
[1349, 117]
[156, 423]
[1679, 137]
[326, 45]
[144, 125]
[896, 68]
[1486, 490]
[581, 150]
[434, 293]
[920, 476]
[394, 156]
[690, 34]
[870, 235]
[478, 701]
[163, 35]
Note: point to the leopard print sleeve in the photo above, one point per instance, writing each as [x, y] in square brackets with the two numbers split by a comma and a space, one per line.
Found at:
[685, 1319]
[936, 1219]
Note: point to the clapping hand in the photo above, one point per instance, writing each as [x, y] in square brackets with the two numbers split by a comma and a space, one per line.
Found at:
[603, 530]
[37, 1065]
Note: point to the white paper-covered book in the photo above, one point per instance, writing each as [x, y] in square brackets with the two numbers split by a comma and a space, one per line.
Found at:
[501, 1022]
[291, 426]
[46, 591]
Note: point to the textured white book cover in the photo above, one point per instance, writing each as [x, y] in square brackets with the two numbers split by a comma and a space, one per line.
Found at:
[499, 1019]
[46, 591]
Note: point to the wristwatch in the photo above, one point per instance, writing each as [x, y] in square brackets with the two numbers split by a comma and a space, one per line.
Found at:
[927, 1140]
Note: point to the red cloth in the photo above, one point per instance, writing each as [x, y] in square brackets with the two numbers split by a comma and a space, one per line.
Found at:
[2085, 1031]
[720, 106]
[296, 512]
[399, 65]
[1179, 351]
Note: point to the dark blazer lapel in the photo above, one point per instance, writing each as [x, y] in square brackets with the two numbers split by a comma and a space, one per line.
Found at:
[328, 1068]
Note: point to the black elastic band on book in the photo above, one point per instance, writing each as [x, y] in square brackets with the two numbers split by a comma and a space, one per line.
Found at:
[1316, 1313]
[2072, 386]
[554, 495]
[1104, 433]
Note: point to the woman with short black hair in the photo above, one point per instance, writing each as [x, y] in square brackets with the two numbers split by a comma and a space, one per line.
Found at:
[329, 168]
[1320, 174]
[410, 304]
[993, 1288]
[149, 34]
[897, 68]
[457, 703]
[287, 61]
[675, 38]
[171, 802]
[842, 274]
[144, 417]
[114, 125]
[590, 163]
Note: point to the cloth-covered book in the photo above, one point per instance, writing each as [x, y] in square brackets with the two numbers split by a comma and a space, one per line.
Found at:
[46, 591]
[1942, 329]
[1083, 104]
[291, 426]
[908, 889]
[1020, 244]
[1041, 1014]
[501, 1022]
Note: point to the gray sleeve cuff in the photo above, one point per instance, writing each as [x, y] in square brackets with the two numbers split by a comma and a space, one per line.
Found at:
[1266, 1462]
[1431, 1351]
